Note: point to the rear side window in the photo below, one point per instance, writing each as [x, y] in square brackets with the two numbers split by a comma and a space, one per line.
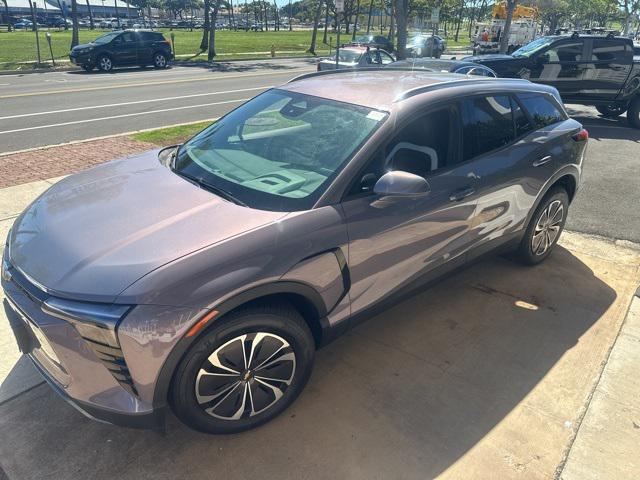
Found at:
[520, 120]
[607, 50]
[541, 109]
[487, 124]
[151, 37]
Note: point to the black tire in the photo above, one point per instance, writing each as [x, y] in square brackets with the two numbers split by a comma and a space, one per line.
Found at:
[105, 64]
[633, 113]
[159, 60]
[87, 68]
[527, 252]
[267, 325]
[611, 111]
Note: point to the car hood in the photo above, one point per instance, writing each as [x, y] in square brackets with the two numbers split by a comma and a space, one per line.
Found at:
[82, 46]
[93, 234]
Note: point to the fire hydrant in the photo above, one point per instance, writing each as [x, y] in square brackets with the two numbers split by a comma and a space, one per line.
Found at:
[273, 50]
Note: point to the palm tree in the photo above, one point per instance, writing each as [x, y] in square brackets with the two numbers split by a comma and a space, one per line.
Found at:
[204, 43]
[6, 14]
[74, 19]
[504, 39]
[402, 10]
[212, 30]
[314, 34]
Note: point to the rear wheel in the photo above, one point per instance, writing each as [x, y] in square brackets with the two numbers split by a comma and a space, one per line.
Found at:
[105, 64]
[611, 111]
[245, 370]
[545, 227]
[159, 60]
[633, 113]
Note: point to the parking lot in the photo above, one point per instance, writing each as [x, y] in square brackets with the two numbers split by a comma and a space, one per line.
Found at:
[488, 374]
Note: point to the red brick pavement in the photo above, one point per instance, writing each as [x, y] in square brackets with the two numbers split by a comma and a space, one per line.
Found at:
[49, 162]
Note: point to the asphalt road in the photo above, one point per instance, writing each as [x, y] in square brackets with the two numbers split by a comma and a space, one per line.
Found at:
[52, 108]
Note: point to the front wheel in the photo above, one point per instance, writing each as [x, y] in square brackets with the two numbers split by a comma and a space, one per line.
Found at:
[245, 371]
[611, 111]
[633, 113]
[160, 60]
[87, 68]
[545, 227]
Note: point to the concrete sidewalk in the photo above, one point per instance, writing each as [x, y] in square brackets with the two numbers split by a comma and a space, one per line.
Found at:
[498, 372]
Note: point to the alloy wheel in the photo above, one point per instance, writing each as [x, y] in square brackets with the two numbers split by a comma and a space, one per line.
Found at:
[547, 228]
[105, 64]
[245, 376]
[160, 61]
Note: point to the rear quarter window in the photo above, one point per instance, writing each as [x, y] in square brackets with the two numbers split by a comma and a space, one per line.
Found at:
[542, 109]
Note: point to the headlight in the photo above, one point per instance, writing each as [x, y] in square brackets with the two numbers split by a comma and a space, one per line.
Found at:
[95, 322]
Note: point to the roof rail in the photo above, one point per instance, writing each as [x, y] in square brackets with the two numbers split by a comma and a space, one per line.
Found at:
[359, 69]
[436, 86]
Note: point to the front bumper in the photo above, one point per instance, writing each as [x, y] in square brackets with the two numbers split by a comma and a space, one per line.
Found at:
[81, 59]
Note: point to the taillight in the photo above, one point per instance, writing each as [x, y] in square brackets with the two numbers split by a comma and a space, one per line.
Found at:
[581, 136]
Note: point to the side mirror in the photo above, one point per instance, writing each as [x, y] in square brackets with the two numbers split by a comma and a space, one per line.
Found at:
[399, 183]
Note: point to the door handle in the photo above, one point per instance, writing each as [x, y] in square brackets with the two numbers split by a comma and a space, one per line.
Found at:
[461, 194]
[542, 161]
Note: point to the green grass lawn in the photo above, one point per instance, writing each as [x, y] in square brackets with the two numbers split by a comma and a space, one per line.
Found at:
[20, 46]
[171, 135]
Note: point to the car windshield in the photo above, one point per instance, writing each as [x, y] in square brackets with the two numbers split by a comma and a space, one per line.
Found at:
[278, 151]
[364, 39]
[348, 56]
[106, 38]
[532, 47]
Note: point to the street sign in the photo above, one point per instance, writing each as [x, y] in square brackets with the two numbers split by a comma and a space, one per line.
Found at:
[339, 6]
[435, 15]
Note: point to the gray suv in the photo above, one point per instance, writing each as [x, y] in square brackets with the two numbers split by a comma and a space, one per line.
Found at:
[204, 277]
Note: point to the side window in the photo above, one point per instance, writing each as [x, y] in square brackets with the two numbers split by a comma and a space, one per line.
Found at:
[541, 109]
[386, 59]
[566, 52]
[420, 147]
[522, 124]
[610, 50]
[487, 124]
[128, 37]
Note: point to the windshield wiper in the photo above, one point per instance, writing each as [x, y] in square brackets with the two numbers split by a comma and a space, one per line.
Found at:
[201, 182]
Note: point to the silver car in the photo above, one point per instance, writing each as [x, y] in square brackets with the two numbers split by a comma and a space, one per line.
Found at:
[204, 277]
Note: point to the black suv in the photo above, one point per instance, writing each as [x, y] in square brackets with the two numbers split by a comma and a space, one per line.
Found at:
[119, 48]
[586, 69]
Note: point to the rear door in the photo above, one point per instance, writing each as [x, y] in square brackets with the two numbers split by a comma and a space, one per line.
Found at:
[562, 66]
[146, 42]
[609, 65]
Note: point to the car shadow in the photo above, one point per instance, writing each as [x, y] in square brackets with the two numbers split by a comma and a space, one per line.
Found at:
[601, 127]
[406, 394]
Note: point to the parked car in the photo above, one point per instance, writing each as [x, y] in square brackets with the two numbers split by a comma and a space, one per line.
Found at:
[374, 41]
[426, 46]
[122, 48]
[586, 69]
[356, 56]
[203, 277]
[23, 24]
[440, 65]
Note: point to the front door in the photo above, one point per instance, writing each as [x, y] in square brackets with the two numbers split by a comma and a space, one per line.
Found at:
[125, 49]
[561, 66]
[396, 240]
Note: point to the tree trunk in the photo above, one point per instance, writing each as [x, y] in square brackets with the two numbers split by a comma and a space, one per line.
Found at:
[204, 43]
[6, 14]
[74, 19]
[402, 8]
[355, 24]
[290, 22]
[212, 31]
[90, 16]
[326, 22]
[314, 34]
[369, 17]
[277, 14]
[459, 20]
[504, 39]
